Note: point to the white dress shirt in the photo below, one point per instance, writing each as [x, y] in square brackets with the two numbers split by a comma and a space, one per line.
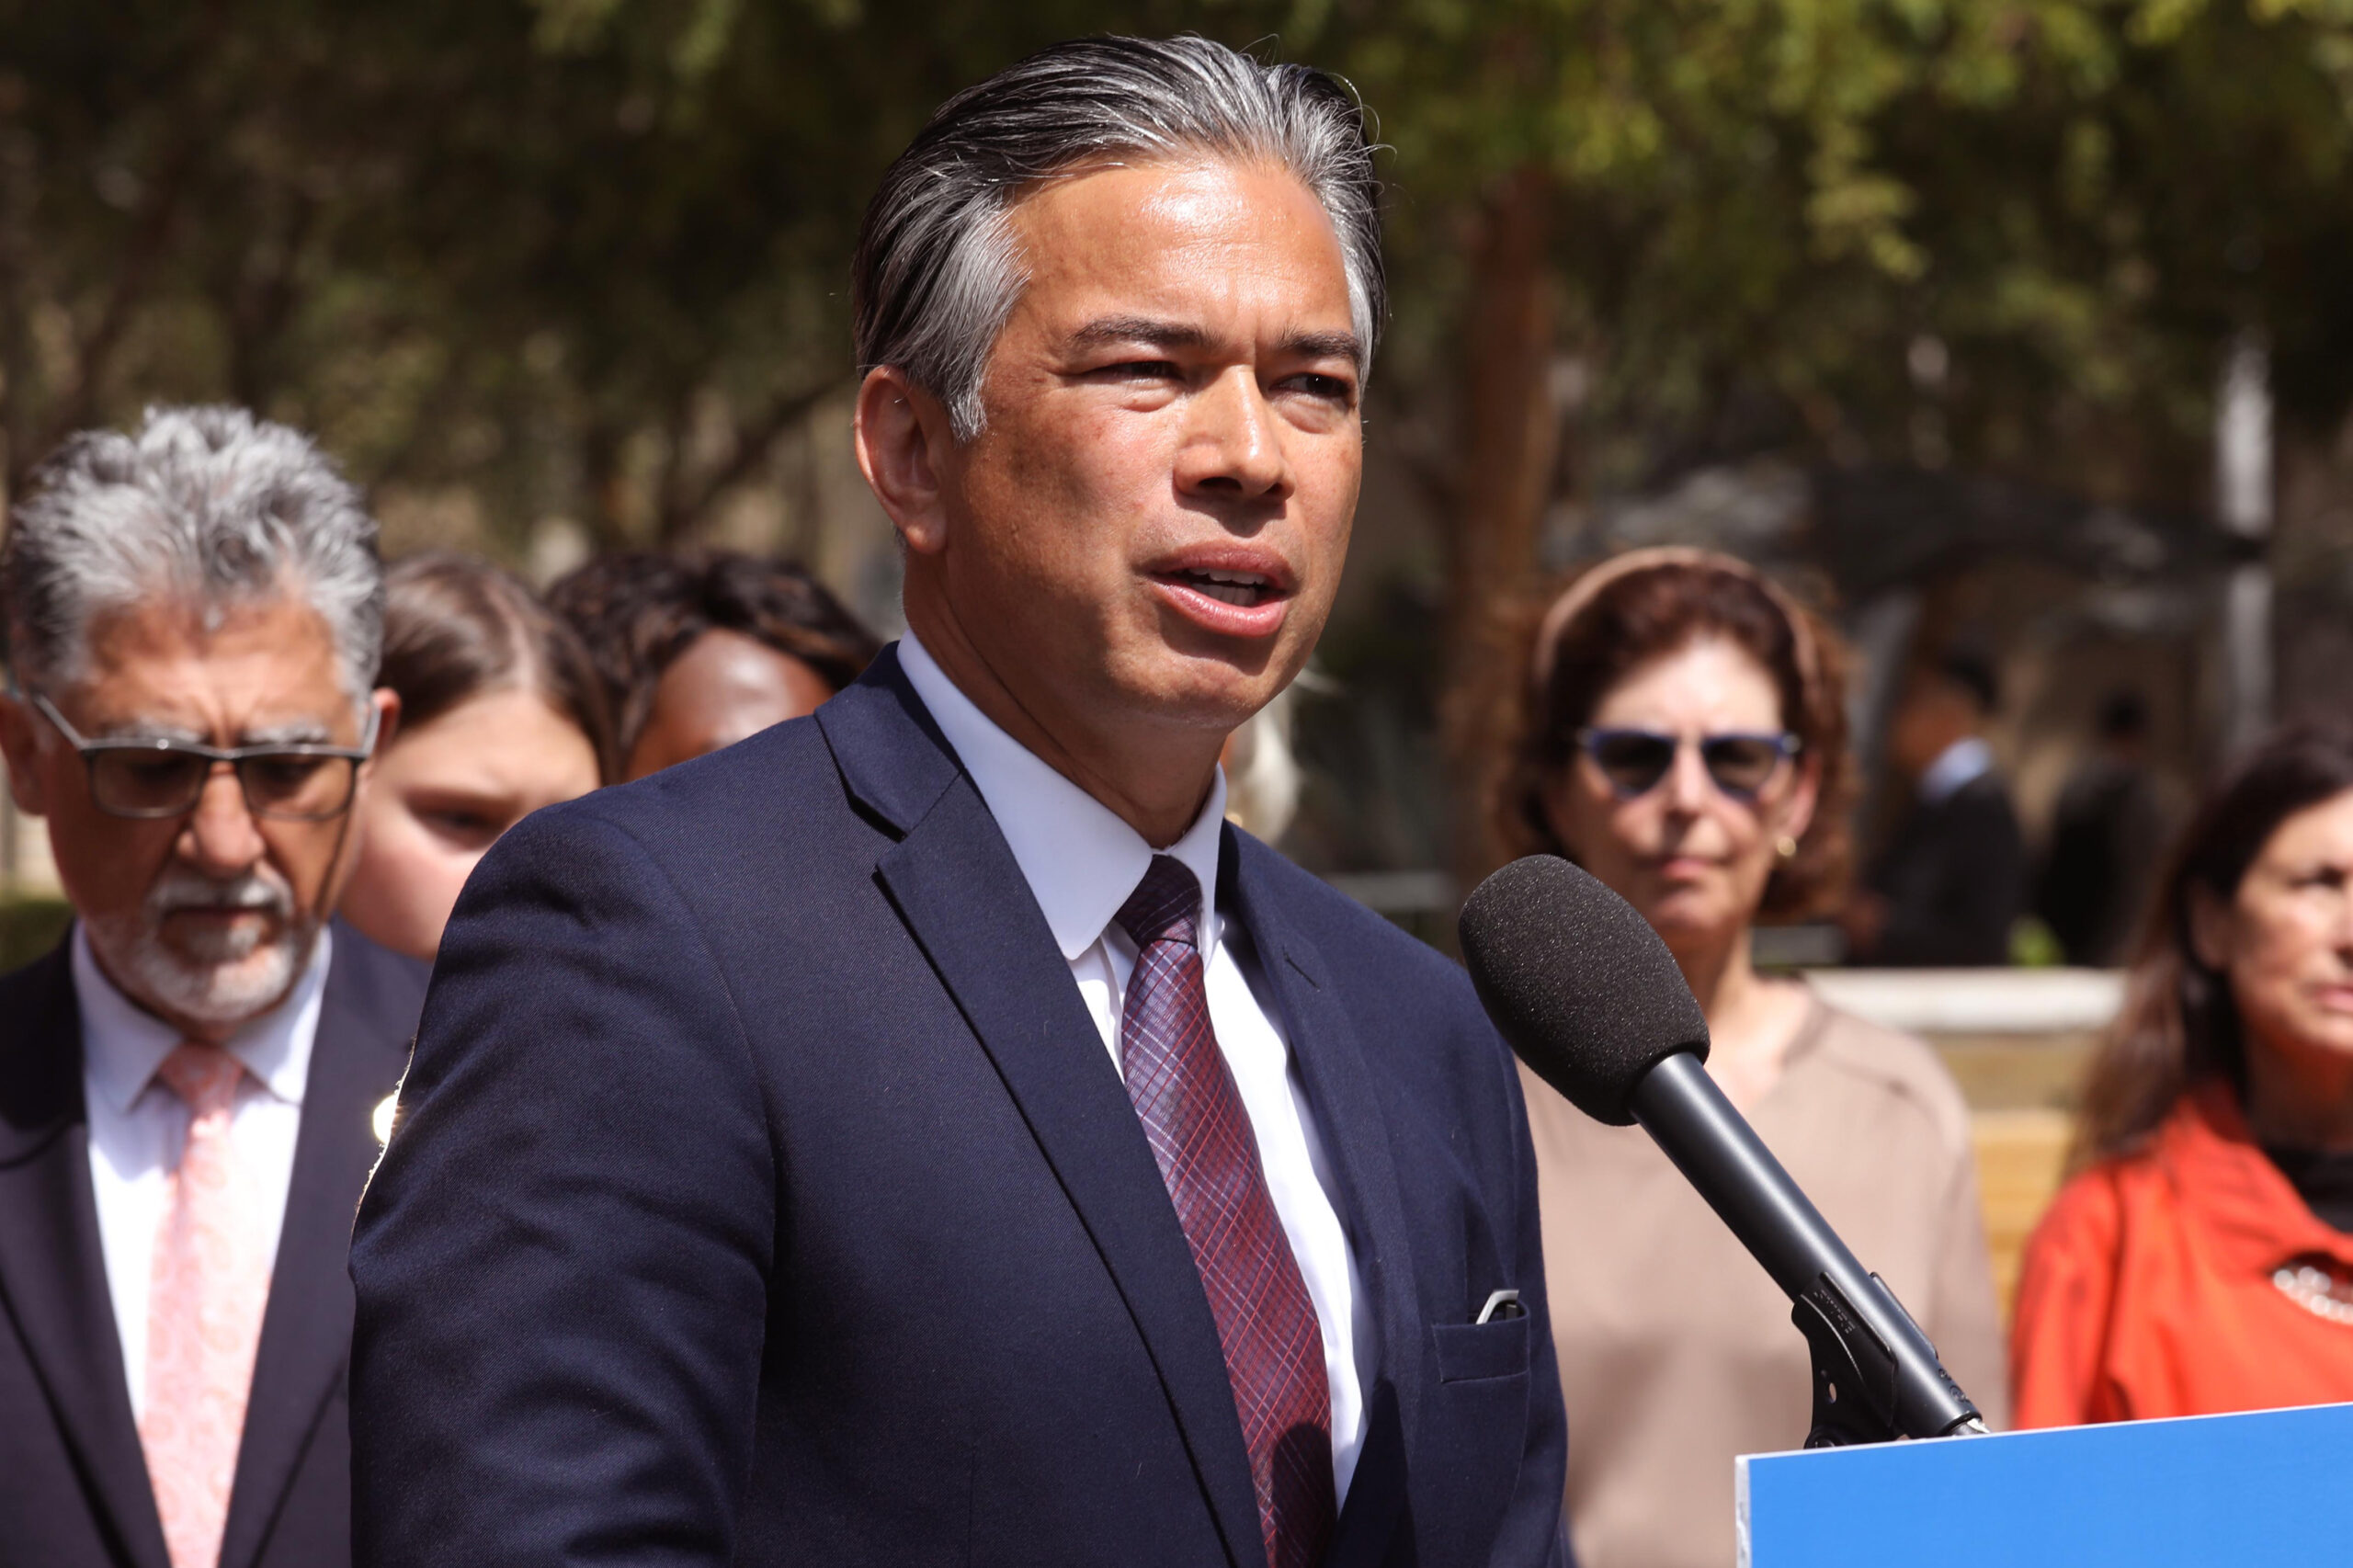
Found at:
[138, 1124]
[1960, 765]
[1082, 862]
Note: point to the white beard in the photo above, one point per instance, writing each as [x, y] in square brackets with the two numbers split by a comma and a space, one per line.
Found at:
[219, 981]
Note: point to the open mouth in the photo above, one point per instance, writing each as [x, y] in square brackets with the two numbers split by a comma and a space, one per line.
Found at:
[1244, 588]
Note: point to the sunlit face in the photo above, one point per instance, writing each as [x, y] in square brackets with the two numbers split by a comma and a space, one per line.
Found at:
[443, 793]
[205, 919]
[1692, 859]
[725, 688]
[2285, 937]
[1153, 523]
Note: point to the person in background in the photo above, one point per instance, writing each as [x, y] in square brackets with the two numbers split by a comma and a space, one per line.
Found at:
[2106, 838]
[1949, 883]
[187, 1084]
[1683, 739]
[1262, 773]
[502, 712]
[702, 649]
[2201, 1258]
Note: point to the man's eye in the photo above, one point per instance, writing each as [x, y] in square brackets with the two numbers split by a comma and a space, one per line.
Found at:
[1330, 388]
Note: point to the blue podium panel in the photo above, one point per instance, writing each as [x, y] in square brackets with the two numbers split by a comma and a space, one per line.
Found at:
[2272, 1486]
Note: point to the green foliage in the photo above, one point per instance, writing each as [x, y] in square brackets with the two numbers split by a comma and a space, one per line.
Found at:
[2077, 201]
[589, 257]
[29, 928]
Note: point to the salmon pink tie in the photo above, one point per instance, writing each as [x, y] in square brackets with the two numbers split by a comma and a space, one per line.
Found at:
[1200, 1137]
[204, 1310]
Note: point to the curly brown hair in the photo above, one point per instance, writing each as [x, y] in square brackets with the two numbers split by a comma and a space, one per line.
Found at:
[639, 609]
[1579, 642]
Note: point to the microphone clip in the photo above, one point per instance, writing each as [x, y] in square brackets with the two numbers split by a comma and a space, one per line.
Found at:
[1853, 1370]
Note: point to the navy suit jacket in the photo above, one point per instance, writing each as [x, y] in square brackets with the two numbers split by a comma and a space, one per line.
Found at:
[764, 1194]
[74, 1490]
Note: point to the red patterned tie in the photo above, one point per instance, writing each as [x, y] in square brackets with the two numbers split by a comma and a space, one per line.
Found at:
[1201, 1135]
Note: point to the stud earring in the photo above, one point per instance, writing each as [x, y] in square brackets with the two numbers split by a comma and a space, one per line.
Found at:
[1786, 847]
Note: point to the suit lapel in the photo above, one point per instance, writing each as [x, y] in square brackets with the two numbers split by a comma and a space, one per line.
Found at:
[53, 1272]
[356, 1060]
[956, 884]
[1355, 1136]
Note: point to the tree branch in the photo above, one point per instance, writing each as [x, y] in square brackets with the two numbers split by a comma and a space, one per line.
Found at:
[753, 442]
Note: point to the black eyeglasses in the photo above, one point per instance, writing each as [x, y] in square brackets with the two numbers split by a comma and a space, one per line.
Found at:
[1634, 761]
[149, 780]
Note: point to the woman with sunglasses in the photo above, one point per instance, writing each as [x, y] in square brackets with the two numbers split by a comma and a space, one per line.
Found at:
[1683, 738]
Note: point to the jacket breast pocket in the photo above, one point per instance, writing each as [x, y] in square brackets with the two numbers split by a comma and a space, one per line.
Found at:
[1468, 1352]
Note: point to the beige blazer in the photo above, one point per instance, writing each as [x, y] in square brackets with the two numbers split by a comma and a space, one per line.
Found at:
[1676, 1351]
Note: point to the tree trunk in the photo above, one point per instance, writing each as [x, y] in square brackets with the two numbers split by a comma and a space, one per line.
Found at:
[1507, 452]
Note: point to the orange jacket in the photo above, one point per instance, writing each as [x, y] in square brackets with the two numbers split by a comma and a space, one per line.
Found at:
[2185, 1279]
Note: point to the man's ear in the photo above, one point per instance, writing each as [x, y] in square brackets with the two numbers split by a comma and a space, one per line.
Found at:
[20, 743]
[387, 704]
[904, 447]
[2210, 928]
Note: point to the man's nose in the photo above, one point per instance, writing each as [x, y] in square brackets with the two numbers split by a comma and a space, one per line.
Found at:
[1232, 446]
[222, 837]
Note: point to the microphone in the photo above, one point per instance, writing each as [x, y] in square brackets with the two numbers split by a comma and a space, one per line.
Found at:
[1587, 994]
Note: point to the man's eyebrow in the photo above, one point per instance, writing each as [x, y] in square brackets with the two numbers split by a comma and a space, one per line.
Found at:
[1106, 330]
[1325, 346]
[299, 733]
[145, 730]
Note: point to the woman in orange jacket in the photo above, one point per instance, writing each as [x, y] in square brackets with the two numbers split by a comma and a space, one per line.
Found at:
[2200, 1260]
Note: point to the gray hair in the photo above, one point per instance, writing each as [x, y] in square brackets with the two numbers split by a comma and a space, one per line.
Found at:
[938, 274]
[208, 504]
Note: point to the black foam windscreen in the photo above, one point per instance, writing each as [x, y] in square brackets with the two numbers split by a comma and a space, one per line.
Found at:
[1577, 983]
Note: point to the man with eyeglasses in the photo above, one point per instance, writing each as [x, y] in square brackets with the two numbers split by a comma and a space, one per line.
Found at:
[189, 1083]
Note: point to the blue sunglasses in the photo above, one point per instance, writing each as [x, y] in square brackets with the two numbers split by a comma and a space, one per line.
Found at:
[1634, 761]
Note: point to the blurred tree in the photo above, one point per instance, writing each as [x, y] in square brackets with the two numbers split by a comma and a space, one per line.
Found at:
[2005, 233]
[588, 257]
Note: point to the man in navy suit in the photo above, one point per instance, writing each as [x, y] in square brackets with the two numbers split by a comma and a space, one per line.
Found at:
[926, 1132]
[190, 1082]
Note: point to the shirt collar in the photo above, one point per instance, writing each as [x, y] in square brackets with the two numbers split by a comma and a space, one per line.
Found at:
[1960, 764]
[123, 1044]
[1080, 859]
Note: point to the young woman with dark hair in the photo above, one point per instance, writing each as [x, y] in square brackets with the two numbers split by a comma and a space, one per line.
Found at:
[1682, 736]
[2200, 1258]
[702, 648]
[501, 713]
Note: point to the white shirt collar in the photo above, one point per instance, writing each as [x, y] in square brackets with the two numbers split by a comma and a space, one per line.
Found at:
[1966, 760]
[122, 1043]
[1080, 859]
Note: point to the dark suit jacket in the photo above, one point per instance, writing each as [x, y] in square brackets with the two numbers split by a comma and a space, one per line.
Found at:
[1954, 878]
[74, 1486]
[764, 1194]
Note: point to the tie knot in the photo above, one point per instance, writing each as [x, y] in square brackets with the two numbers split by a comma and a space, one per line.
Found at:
[203, 1075]
[1165, 907]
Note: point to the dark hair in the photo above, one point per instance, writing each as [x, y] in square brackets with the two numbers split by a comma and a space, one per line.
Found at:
[639, 609]
[2123, 715]
[1973, 673]
[456, 627]
[937, 271]
[1660, 609]
[2179, 1027]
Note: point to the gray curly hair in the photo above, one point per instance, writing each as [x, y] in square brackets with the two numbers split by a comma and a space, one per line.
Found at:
[209, 505]
[938, 273]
